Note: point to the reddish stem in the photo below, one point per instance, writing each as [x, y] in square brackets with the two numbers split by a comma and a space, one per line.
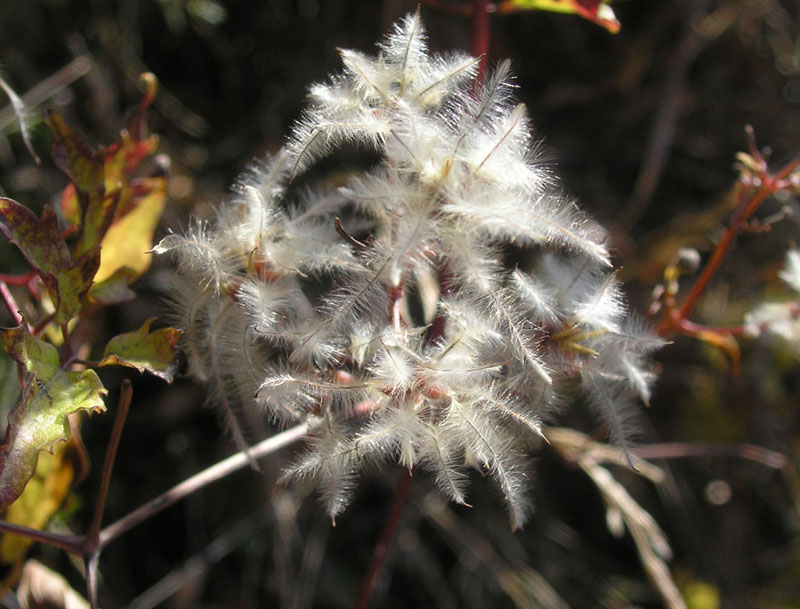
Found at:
[691, 327]
[17, 279]
[10, 303]
[480, 36]
[769, 184]
[448, 7]
[712, 267]
[385, 541]
[125, 396]
[42, 324]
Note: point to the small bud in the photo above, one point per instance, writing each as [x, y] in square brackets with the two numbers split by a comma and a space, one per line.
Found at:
[687, 260]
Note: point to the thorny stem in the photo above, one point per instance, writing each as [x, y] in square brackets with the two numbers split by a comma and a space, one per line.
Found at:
[384, 542]
[198, 481]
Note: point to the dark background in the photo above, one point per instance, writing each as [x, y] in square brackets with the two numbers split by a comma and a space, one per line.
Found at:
[642, 127]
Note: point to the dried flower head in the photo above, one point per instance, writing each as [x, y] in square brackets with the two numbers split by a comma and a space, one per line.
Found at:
[436, 309]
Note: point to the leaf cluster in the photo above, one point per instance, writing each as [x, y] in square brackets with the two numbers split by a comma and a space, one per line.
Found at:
[83, 256]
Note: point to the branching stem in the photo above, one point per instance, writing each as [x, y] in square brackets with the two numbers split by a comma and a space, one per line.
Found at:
[765, 185]
[200, 480]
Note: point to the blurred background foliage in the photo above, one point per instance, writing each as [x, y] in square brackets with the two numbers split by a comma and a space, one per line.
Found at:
[642, 127]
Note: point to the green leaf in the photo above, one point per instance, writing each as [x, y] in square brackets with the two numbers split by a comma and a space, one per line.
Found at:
[41, 243]
[39, 420]
[116, 288]
[154, 352]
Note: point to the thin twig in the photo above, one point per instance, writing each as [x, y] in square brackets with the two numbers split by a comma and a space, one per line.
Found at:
[679, 450]
[69, 543]
[125, 395]
[385, 540]
[662, 132]
[10, 302]
[337, 225]
[674, 320]
[480, 36]
[449, 7]
[47, 88]
[200, 480]
[237, 535]
[22, 279]
[91, 578]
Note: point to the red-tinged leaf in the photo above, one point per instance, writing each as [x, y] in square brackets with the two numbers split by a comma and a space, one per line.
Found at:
[73, 156]
[85, 167]
[39, 420]
[124, 157]
[154, 352]
[40, 241]
[106, 204]
[137, 124]
[70, 208]
[115, 289]
[597, 11]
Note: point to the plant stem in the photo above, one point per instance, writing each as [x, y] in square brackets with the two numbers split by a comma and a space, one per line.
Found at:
[74, 544]
[125, 396]
[677, 450]
[17, 279]
[480, 36]
[677, 320]
[721, 250]
[448, 7]
[198, 481]
[10, 303]
[384, 542]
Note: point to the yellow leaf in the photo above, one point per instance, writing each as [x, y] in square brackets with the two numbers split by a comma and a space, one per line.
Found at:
[129, 239]
[40, 500]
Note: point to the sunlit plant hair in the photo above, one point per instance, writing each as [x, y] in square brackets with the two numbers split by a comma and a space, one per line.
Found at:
[436, 309]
